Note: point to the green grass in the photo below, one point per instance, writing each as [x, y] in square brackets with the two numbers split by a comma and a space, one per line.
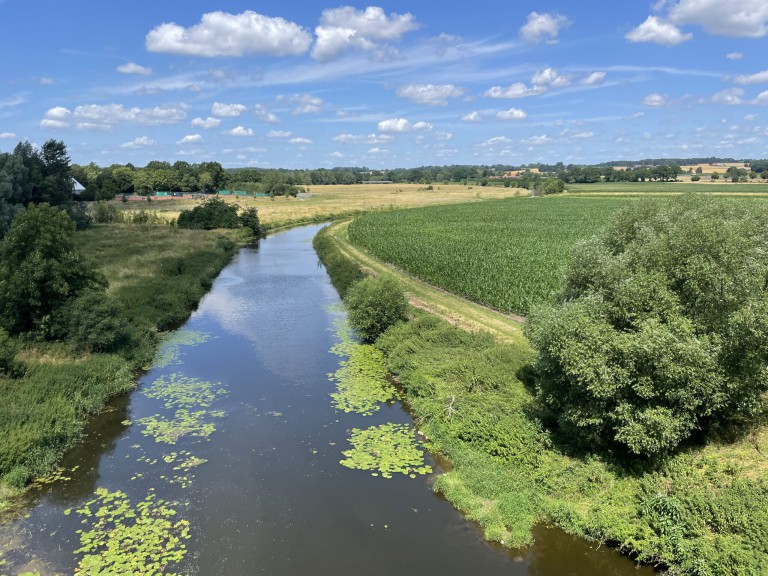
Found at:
[507, 254]
[704, 186]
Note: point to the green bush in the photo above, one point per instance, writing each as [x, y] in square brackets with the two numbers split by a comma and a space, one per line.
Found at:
[8, 349]
[250, 219]
[342, 270]
[375, 304]
[663, 327]
[212, 213]
[96, 323]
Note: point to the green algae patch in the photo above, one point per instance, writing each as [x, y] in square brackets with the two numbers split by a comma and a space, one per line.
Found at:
[170, 350]
[362, 382]
[177, 391]
[120, 538]
[183, 423]
[386, 449]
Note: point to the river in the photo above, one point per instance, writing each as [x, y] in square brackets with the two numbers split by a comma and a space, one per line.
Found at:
[261, 486]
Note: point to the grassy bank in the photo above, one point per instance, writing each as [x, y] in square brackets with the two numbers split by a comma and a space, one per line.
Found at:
[702, 512]
[158, 274]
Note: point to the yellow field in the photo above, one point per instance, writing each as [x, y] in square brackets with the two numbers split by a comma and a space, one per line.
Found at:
[336, 199]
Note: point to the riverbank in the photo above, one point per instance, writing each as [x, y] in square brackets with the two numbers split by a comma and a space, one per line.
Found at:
[158, 274]
[701, 512]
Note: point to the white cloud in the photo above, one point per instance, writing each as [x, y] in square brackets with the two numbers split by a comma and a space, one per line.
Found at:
[444, 136]
[190, 139]
[336, 154]
[224, 34]
[537, 140]
[305, 103]
[735, 18]
[300, 140]
[227, 110]
[140, 142]
[593, 79]
[208, 123]
[757, 78]
[279, 134]
[516, 90]
[345, 27]
[240, 131]
[133, 68]
[378, 150]
[655, 30]
[655, 100]
[550, 77]
[45, 81]
[357, 139]
[543, 27]
[734, 56]
[430, 94]
[496, 141]
[58, 113]
[729, 96]
[512, 114]
[422, 127]
[48, 123]
[7, 135]
[750, 117]
[105, 116]
[403, 125]
[762, 98]
[472, 117]
[265, 115]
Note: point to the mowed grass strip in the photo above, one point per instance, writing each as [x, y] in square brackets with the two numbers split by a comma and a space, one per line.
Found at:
[507, 254]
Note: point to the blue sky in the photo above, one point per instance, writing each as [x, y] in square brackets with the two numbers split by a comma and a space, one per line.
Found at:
[304, 84]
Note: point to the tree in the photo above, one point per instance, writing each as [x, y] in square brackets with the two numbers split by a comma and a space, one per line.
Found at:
[662, 328]
[375, 304]
[40, 270]
[213, 213]
[715, 176]
[57, 180]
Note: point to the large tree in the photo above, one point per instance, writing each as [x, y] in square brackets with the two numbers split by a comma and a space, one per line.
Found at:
[41, 269]
[662, 329]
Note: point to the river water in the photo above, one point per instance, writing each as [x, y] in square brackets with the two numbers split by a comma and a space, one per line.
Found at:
[271, 496]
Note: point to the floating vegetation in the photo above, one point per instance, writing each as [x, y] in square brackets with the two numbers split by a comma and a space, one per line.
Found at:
[125, 539]
[170, 351]
[177, 391]
[361, 381]
[58, 475]
[386, 449]
[184, 423]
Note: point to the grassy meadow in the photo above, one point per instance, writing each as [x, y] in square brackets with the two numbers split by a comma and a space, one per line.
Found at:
[331, 201]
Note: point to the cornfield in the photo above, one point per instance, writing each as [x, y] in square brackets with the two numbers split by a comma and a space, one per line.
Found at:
[507, 254]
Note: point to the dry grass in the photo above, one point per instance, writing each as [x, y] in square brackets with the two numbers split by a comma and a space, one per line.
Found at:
[335, 199]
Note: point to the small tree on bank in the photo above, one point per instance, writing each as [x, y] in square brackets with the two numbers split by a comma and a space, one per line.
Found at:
[662, 329]
[375, 304]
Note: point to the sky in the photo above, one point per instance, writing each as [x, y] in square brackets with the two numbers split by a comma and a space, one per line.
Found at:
[306, 84]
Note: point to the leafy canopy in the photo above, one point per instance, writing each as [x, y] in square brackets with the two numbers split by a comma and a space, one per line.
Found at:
[375, 304]
[662, 329]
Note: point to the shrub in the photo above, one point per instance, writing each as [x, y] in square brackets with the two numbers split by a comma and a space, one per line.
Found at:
[662, 329]
[96, 322]
[375, 304]
[250, 219]
[212, 213]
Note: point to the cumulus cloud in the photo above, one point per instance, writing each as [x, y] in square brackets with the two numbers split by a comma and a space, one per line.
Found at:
[734, 18]
[543, 27]
[403, 125]
[512, 114]
[240, 131]
[133, 68]
[734, 56]
[265, 115]
[224, 34]
[279, 134]
[227, 110]
[762, 98]
[58, 113]
[655, 30]
[361, 139]
[430, 94]
[345, 28]
[304, 103]
[207, 123]
[496, 141]
[472, 117]
[299, 140]
[48, 123]
[729, 96]
[140, 142]
[190, 139]
[757, 78]
[655, 100]
[593, 79]
[516, 90]
[378, 150]
[550, 77]
[537, 140]
[105, 116]
[336, 154]
[6, 135]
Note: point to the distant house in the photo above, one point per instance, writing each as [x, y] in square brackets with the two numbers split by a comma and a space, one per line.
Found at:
[77, 188]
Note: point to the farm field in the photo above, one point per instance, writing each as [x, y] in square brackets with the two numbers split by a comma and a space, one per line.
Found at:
[704, 185]
[333, 200]
[507, 254]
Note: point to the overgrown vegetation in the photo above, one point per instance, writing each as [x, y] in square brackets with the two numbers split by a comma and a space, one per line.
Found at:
[375, 304]
[508, 254]
[661, 332]
[216, 213]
